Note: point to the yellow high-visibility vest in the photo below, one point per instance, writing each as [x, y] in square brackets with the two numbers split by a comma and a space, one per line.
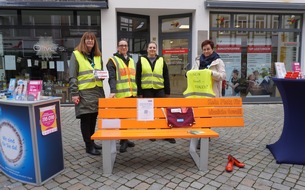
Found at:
[86, 79]
[199, 84]
[126, 85]
[152, 79]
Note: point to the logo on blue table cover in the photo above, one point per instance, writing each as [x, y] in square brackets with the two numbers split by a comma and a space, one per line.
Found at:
[11, 146]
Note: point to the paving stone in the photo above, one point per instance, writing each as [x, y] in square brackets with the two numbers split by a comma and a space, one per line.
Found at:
[244, 187]
[280, 186]
[161, 165]
[209, 187]
[171, 185]
[142, 186]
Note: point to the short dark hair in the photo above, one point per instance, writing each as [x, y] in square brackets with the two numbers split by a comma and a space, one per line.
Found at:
[235, 71]
[122, 39]
[207, 42]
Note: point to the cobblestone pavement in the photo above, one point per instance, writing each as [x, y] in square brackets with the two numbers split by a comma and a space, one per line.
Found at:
[161, 165]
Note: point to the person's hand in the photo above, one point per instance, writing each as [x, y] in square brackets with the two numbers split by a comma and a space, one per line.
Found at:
[112, 95]
[75, 99]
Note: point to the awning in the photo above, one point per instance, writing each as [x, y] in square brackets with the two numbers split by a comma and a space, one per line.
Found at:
[215, 4]
[51, 4]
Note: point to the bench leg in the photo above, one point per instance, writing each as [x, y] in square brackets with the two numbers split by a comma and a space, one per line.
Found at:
[109, 153]
[200, 160]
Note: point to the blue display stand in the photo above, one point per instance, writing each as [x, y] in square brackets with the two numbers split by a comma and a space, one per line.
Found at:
[30, 140]
[290, 148]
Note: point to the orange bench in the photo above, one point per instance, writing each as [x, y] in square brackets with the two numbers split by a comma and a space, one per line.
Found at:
[118, 119]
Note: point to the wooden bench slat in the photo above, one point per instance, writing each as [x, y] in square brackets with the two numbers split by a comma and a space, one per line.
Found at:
[172, 102]
[151, 134]
[198, 112]
[161, 123]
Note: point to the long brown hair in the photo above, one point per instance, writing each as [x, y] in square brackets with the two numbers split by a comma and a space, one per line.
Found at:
[81, 47]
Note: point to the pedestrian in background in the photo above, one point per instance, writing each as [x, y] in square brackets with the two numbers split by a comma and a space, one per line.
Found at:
[152, 77]
[121, 68]
[85, 87]
[235, 83]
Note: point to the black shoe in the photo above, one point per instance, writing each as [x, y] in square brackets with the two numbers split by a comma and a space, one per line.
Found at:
[93, 151]
[173, 141]
[130, 144]
[124, 145]
[98, 147]
[153, 140]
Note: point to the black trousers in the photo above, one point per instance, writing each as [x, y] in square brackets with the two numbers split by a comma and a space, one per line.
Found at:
[87, 126]
[153, 93]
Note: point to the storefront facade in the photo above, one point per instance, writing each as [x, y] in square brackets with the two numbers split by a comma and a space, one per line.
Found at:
[37, 40]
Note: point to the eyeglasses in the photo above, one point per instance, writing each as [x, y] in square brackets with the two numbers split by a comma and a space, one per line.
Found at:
[207, 49]
[121, 45]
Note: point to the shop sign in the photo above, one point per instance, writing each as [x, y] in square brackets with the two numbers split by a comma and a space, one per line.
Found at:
[175, 55]
[175, 51]
[45, 48]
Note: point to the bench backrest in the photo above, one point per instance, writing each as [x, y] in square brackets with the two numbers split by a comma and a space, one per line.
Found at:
[208, 112]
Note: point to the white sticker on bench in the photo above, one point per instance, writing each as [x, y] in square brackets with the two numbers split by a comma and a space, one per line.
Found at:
[176, 110]
[111, 123]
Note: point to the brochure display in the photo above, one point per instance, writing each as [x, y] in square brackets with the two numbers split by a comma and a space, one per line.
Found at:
[289, 149]
[30, 140]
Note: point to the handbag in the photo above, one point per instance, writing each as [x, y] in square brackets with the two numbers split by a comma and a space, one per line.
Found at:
[179, 117]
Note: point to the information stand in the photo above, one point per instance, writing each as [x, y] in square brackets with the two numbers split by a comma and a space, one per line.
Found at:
[30, 140]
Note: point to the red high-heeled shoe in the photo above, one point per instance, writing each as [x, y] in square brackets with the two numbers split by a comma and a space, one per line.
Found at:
[236, 162]
[229, 167]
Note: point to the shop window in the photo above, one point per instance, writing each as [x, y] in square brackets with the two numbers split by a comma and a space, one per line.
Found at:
[53, 18]
[270, 38]
[175, 25]
[291, 22]
[260, 23]
[8, 17]
[275, 23]
[221, 21]
[126, 24]
[39, 45]
[86, 18]
[133, 23]
[135, 29]
[241, 21]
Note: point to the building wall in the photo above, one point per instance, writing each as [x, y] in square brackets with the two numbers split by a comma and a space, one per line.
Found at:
[154, 9]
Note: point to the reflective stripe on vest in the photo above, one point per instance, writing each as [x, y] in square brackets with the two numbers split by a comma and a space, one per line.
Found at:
[125, 78]
[86, 79]
[152, 79]
[199, 84]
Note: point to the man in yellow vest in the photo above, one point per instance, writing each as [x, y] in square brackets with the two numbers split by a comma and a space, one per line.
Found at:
[121, 68]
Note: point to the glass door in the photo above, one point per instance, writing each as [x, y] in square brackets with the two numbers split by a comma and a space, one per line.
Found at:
[175, 40]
